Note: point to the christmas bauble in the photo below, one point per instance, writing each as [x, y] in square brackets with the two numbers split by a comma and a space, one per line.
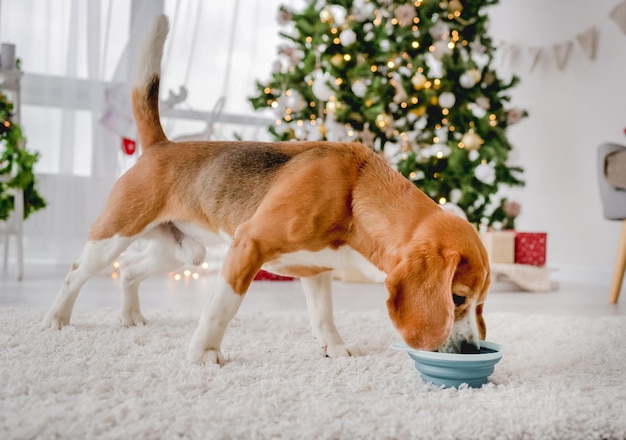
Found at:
[294, 101]
[476, 74]
[455, 195]
[359, 88]
[338, 14]
[347, 37]
[337, 60]
[486, 173]
[455, 6]
[383, 120]
[447, 99]
[326, 16]
[441, 48]
[467, 80]
[321, 89]
[439, 31]
[471, 140]
[418, 81]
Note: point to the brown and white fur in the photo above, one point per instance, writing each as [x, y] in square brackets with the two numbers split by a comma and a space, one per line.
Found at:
[295, 208]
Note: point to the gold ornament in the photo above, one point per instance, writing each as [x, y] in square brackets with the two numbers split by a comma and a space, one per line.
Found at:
[455, 6]
[337, 60]
[418, 81]
[326, 16]
[419, 111]
[383, 120]
[322, 129]
[476, 74]
[471, 140]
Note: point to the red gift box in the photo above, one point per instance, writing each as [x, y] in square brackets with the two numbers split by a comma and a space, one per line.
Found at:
[264, 275]
[530, 248]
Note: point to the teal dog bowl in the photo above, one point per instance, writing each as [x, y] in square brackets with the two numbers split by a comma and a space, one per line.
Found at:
[453, 370]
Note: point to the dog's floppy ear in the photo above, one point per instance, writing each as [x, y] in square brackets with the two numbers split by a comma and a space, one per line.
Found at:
[420, 298]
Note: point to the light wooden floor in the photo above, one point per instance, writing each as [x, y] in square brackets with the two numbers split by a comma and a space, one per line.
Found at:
[41, 284]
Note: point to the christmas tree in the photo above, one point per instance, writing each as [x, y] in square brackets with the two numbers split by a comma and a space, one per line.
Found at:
[17, 163]
[412, 80]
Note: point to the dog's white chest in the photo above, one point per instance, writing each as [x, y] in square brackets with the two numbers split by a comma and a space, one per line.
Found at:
[340, 258]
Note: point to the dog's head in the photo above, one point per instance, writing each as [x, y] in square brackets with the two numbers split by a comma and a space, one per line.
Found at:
[437, 290]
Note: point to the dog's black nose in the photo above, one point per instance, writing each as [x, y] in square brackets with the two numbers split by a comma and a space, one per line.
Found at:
[469, 348]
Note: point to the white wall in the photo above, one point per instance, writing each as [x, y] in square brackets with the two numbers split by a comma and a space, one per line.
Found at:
[571, 113]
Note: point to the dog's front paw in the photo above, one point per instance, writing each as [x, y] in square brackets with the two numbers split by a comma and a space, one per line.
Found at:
[132, 319]
[205, 357]
[55, 321]
[337, 351]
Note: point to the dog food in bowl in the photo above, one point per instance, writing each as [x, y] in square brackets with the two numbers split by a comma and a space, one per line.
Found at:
[453, 370]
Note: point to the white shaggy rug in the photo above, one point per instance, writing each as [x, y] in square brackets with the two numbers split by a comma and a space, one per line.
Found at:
[560, 378]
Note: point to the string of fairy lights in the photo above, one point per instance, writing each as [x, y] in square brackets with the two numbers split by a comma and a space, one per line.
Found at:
[211, 266]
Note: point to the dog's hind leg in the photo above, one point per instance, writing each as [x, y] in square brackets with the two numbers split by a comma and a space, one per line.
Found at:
[167, 249]
[97, 254]
[318, 293]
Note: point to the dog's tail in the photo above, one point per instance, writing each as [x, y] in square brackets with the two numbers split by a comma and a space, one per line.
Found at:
[145, 94]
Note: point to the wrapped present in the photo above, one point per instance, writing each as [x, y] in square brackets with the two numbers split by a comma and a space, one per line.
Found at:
[264, 275]
[500, 246]
[530, 248]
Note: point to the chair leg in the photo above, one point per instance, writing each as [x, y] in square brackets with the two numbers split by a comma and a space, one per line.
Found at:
[620, 266]
[19, 233]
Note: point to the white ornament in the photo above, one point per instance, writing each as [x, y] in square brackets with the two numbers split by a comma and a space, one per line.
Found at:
[294, 101]
[347, 37]
[467, 80]
[417, 175]
[483, 102]
[339, 14]
[455, 195]
[439, 150]
[441, 49]
[362, 10]
[439, 31]
[308, 132]
[447, 99]
[384, 45]
[418, 80]
[405, 71]
[486, 173]
[321, 89]
[478, 111]
[359, 88]
[473, 155]
[331, 108]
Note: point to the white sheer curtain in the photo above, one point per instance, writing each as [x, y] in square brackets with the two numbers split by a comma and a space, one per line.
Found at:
[73, 51]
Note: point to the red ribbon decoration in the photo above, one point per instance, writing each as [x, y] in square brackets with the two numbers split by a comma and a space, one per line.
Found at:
[129, 146]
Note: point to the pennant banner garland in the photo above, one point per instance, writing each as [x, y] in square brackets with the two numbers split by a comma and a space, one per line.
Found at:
[561, 52]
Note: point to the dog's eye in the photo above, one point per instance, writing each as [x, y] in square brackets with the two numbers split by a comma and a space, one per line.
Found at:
[458, 300]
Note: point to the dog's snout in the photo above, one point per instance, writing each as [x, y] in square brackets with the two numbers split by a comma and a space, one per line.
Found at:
[469, 348]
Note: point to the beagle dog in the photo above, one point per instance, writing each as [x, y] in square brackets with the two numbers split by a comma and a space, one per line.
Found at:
[295, 208]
